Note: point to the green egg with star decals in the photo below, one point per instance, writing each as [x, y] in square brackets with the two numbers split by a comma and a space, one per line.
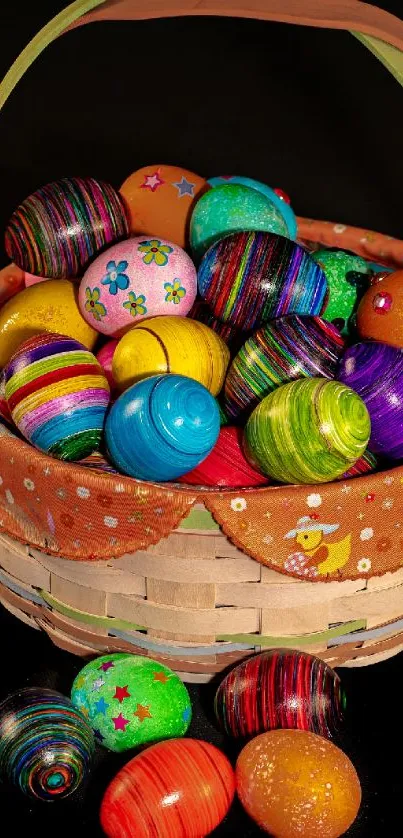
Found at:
[131, 700]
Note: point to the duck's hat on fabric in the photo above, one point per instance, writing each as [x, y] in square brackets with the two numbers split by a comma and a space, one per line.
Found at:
[306, 524]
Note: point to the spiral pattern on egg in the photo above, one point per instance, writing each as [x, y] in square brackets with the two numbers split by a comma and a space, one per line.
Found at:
[46, 746]
[58, 228]
[297, 346]
[375, 371]
[251, 277]
[162, 427]
[307, 431]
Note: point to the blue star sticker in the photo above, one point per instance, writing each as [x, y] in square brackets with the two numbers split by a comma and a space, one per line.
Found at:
[186, 714]
[101, 706]
[98, 735]
[184, 187]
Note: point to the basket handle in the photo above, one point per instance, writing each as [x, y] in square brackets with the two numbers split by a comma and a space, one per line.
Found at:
[379, 31]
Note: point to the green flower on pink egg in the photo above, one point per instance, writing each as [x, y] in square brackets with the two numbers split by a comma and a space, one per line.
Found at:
[175, 292]
[135, 304]
[92, 304]
[155, 252]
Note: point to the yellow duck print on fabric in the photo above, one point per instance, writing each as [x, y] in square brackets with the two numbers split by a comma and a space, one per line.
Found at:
[327, 557]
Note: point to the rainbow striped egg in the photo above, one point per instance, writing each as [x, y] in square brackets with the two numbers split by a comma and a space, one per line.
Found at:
[57, 394]
[60, 227]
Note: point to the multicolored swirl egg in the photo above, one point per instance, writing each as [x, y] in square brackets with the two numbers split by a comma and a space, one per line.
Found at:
[46, 745]
[181, 788]
[297, 346]
[131, 700]
[60, 227]
[307, 431]
[229, 209]
[162, 427]
[57, 394]
[375, 371]
[348, 276]
[251, 277]
[280, 689]
[136, 279]
[171, 345]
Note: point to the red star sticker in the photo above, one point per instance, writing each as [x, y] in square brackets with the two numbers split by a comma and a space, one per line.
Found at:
[314, 517]
[121, 693]
[142, 712]
[105, 666]
[120, 723]
[160, 676]
[152, 182]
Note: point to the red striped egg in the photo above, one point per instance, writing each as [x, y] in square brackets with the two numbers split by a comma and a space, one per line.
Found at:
[280, 689]
[179, 787]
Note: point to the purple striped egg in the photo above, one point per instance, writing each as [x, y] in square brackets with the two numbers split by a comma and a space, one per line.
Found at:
[375, 371]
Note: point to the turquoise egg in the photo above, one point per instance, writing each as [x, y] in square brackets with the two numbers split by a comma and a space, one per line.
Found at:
[231, 209]
[162, 427]
[286, 211]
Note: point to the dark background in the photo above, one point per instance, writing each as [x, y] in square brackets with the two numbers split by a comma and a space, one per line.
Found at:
[307, 110]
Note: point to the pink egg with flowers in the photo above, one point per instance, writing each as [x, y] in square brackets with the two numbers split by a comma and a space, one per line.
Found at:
[135, 279]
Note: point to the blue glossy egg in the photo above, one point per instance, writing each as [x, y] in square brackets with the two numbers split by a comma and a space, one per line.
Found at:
[162, 427]
[286, 211]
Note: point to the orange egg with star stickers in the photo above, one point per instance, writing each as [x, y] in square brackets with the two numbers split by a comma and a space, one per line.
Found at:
[160, 200]
[380, 312]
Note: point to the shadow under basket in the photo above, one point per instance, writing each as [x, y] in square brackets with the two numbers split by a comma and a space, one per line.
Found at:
[199, 579]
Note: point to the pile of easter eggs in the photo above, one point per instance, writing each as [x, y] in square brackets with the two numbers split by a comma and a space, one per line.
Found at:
[177, 330]
[281, 708]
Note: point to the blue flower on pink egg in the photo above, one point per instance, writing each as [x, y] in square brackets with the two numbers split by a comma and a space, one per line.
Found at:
[115, 277]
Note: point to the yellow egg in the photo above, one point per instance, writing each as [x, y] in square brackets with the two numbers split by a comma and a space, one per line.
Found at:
[47, 307]
[171, 344]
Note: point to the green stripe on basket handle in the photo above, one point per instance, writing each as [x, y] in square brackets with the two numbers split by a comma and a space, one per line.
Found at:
[254, 639]
[379, 31]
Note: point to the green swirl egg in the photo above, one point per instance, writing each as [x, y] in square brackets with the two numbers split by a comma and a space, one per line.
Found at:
[307, 431]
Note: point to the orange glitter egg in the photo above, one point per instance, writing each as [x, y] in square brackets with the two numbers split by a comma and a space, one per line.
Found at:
[296, 784]
[380, 313]
[160, 201]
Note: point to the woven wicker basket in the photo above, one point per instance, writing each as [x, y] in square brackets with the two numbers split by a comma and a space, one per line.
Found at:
[199, 579]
